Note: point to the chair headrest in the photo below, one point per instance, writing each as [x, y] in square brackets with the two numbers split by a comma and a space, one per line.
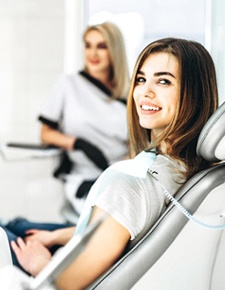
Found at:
[211, 141]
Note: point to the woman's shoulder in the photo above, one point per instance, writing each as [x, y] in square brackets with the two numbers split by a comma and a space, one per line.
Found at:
[71, 77]
[138, 167]
[168, 161]
[72, 82]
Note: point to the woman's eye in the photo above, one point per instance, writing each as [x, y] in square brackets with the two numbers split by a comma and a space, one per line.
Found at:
[164, 82]
[99, 46]
[102, 46]
[87, 45]
[140, 80]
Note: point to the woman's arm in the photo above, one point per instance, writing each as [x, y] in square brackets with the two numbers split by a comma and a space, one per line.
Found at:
[104, 248]
[54, 137]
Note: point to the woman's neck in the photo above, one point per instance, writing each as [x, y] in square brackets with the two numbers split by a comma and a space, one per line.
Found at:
[103, 77]
[163, 147]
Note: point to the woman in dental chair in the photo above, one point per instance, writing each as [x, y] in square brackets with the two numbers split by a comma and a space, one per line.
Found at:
[173, 93]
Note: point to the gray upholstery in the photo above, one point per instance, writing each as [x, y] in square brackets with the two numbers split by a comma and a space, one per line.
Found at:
[211, 136]
[195, 259]
[137, 261]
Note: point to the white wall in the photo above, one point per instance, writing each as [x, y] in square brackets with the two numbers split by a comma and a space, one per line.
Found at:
[31, 60]
[217, 43]
[162, 18]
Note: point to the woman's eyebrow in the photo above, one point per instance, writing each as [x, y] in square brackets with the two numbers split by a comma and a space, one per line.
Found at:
[157, 74]
[141, 72]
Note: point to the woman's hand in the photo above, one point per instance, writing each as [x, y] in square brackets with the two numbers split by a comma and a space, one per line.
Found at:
[32, 255]
[51, 238]
[46, 238]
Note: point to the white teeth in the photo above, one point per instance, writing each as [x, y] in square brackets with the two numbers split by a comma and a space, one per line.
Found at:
[149, 108]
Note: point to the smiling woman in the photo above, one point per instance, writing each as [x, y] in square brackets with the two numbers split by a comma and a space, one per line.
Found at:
[103, 41]
[97, 59]
[125, 192]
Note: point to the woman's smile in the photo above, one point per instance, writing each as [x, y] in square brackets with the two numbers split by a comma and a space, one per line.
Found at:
[149, 108]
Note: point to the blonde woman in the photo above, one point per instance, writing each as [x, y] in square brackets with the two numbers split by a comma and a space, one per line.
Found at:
[86, 114]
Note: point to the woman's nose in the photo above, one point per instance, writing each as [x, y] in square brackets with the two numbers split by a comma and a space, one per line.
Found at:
[148, 91]
[149, 94]
[94, 51]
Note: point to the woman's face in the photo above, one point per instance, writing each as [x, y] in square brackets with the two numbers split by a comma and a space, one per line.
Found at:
[156, 92]
[97, 58]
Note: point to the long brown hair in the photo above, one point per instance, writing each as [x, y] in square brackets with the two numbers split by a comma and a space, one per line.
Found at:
[198, 100]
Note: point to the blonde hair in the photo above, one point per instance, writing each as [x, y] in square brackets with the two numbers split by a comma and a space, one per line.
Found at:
[119, 67]
[198, 100]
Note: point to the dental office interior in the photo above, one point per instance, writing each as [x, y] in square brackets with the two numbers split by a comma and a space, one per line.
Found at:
[40, 40]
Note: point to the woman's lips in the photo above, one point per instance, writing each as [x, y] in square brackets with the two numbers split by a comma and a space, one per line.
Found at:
[148, 108]
[94, 62]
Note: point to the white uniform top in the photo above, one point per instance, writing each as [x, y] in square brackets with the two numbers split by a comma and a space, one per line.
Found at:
[134, 200]
[79, 106]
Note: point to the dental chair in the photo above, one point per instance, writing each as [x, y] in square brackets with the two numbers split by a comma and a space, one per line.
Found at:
[177, 253]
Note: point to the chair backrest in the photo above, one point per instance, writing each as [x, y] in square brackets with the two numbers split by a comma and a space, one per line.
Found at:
[195, 259]
[5, 256]
[135, 263]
